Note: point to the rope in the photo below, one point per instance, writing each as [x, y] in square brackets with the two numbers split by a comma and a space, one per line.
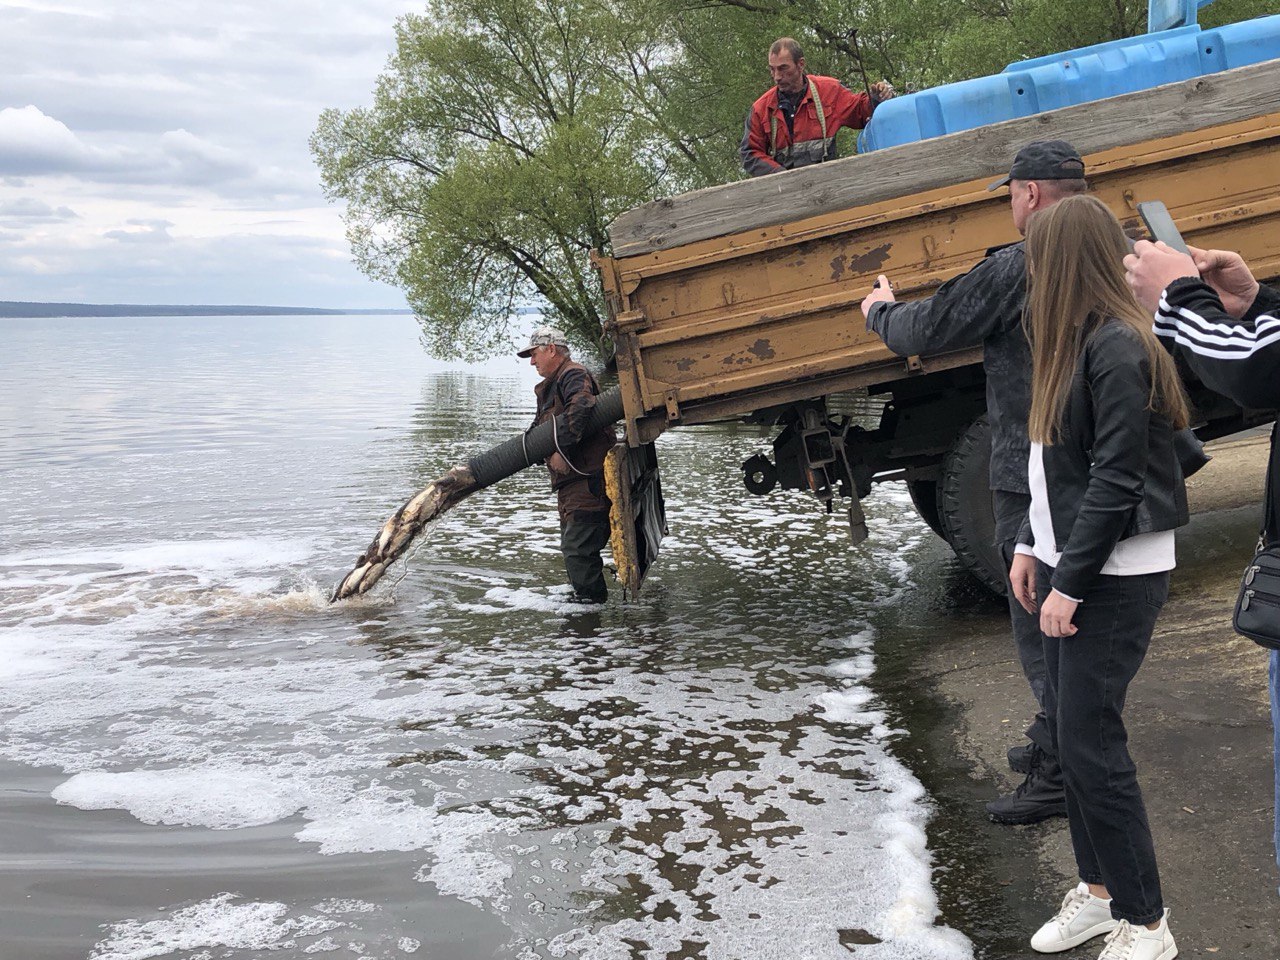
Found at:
[555, 438]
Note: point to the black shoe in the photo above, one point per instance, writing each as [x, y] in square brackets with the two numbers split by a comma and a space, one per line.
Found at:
[1037, 798]
[1022, 757]
[585, 600]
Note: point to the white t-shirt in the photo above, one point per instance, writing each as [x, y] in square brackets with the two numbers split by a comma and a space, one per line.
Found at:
[1144, 553]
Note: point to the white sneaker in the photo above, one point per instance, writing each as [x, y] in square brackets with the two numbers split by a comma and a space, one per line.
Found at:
[1128, 942]
[1082, 917]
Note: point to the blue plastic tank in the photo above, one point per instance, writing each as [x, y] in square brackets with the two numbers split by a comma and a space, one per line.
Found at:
[1076, 76]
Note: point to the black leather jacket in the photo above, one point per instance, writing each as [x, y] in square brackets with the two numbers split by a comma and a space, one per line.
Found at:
[1113, 472]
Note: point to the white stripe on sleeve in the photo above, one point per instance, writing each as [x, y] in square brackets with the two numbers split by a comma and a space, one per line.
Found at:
[1221, 341]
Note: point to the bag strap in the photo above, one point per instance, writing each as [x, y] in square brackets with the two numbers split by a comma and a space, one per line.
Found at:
[1271, 504]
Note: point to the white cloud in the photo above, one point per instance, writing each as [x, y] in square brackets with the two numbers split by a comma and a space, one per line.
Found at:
[142, 231]
[31, 142]
[180, 126]
[152, 263]
[22, 210]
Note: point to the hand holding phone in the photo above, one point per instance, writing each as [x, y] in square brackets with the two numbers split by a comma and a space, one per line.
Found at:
[1150, 268]
[1160, 224]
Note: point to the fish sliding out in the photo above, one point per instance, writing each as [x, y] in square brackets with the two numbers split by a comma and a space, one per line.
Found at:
[397, 533]
[442, 495]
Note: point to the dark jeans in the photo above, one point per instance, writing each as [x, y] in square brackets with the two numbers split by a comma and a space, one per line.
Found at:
[581, 543]
[1010, 510]
[1088, 676]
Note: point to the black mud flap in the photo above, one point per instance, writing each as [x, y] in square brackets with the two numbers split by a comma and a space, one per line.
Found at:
[638, 515]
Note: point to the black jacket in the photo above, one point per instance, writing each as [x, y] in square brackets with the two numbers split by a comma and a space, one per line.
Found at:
[983, 306]
[1112, 472]
[1238, 359]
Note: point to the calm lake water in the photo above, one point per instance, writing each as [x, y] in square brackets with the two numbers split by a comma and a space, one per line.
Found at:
[200, 758]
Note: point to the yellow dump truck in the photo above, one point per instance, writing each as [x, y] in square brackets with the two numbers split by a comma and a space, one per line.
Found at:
[740, 301]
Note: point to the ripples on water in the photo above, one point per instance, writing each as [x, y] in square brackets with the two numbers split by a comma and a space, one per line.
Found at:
[462, 765]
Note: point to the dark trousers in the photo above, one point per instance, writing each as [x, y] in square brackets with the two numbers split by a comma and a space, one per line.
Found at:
[1088, 676]
[581, 543]
[1010, 510]
[584, 530]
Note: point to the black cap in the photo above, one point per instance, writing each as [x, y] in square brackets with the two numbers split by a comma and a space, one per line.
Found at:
[1044, 160]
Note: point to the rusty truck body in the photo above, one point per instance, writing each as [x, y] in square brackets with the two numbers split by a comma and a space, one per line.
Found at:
[741, 301]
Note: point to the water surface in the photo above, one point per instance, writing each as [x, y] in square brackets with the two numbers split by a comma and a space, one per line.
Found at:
[203, 759]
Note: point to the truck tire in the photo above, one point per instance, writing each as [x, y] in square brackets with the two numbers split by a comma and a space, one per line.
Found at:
[964, 505]
[924, 495]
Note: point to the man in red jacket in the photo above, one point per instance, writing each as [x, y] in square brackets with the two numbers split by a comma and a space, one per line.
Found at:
[794, 124]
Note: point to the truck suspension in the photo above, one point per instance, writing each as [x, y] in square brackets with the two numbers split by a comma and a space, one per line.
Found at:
[811, 454]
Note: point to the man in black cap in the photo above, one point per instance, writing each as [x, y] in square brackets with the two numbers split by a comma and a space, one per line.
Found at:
[577, 466]
[984, 306]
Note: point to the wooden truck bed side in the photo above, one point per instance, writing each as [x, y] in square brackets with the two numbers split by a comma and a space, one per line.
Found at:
[742, 297]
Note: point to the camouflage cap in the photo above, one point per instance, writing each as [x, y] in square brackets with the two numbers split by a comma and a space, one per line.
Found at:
[544, 337]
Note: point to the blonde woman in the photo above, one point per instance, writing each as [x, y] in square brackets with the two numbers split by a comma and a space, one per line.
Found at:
[1094, 556]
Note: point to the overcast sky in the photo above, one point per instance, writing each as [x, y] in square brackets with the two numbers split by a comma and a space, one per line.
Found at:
[156, 152]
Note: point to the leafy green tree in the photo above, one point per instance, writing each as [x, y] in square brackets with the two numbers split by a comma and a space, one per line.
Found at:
[505, 135]
[502, 139]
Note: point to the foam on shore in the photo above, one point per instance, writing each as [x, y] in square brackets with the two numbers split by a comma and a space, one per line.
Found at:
[681, 757]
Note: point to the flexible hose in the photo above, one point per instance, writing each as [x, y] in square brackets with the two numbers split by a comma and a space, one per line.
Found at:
[534, 446]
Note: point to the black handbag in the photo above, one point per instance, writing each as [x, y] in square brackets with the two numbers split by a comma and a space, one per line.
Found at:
[1257, 613]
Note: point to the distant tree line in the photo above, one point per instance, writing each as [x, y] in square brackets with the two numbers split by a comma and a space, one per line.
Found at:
[505, 135]
[33, 310]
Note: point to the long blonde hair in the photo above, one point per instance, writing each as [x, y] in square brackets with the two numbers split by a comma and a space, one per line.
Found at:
[1075, 279]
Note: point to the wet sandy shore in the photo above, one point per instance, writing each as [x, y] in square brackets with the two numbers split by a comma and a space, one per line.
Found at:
[1199, 730]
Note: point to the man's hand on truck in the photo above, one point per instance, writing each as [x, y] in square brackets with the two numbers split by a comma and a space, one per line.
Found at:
[882, 292]
[880, 91]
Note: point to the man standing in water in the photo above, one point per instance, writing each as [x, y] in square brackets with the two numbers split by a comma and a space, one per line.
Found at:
[577, 466]
[984, 306]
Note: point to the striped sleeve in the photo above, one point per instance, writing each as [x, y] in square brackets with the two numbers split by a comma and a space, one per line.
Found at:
[1239, 359]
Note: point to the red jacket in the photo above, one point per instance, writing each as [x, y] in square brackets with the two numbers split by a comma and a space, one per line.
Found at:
[767, 146]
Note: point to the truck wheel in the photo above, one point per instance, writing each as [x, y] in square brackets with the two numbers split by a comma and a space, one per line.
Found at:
[964, 505]
[924, 495]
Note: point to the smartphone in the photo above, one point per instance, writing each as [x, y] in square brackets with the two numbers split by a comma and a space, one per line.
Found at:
[1160, 225]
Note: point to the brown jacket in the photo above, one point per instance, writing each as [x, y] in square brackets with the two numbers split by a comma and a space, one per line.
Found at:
[572, 390]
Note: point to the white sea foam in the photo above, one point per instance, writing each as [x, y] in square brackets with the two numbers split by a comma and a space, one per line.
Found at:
[506, 599]
[219, 799]
[227, 557]
[529, 770]
[218, 922]
[376, 819]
